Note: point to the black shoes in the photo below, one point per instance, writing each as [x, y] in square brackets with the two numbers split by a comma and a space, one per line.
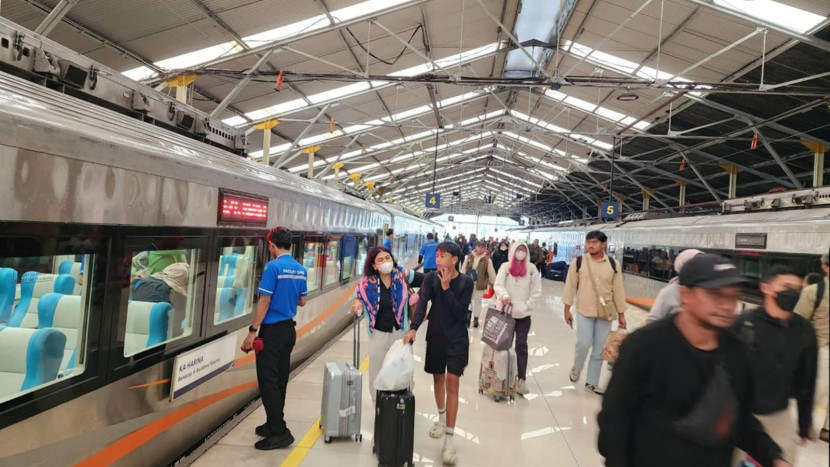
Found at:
[824, 435]
[270, 440]
[475, 322]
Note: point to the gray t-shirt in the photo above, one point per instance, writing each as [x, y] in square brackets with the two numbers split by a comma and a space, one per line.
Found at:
[666, 304]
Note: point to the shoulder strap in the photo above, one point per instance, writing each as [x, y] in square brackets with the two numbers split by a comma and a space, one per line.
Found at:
[819, 295]
[613, 264]
[579, 263]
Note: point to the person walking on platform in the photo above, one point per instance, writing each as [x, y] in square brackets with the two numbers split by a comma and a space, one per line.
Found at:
[814, 305]
[519, 284]
[383, 293]
[427, 253]
[448, 344]
[595, 281]
[537, 257]
[667, 302]
[470, 246]
[500, 255]
[682, 389]
[388, 242]
[282, 288]
[782, 354]
[485, 275]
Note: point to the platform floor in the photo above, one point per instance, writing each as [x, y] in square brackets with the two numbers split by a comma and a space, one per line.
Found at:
[553, 425]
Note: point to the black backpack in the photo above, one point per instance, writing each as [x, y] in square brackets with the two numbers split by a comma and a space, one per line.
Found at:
[610, 259]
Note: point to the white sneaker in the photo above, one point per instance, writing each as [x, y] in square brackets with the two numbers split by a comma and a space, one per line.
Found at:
[574, 376]
[437, 431]
[522, 388]
[448, 455]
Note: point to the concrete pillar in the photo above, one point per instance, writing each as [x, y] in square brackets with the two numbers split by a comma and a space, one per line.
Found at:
[266, 138]
[646, 199]
[311, 150]
[818, 161]
[682, 184]
[732, 170]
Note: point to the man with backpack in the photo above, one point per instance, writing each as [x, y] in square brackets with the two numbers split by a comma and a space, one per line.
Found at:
[596, 282]
[814, 305]
[479, 267]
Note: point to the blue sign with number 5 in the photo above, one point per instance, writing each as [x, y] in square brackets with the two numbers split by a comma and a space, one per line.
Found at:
[610, 210]
[433, 201]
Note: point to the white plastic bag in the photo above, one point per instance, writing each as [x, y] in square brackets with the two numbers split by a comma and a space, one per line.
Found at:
[398, 368]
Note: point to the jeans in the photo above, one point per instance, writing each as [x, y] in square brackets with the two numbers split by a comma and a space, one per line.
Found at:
[379, 343]
[522, 329]
[591, 334]
[478, 296]
[273, 365]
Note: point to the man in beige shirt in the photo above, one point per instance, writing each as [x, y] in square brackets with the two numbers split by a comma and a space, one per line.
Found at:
[817, 310]
[595, 280]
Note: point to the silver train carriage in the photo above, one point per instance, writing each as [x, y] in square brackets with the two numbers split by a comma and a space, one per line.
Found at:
[94, 203]
[646, 249]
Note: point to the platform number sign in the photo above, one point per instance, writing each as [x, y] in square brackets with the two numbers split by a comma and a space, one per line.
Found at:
[433, 201]
[610, 210]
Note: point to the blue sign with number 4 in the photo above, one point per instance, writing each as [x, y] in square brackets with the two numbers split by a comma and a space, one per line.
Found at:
[433, 201]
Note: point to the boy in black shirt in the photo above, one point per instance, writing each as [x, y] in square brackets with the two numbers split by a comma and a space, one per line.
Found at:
[682, 389]
[448, 344]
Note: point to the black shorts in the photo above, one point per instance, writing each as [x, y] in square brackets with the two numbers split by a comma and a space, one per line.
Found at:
[442, 358]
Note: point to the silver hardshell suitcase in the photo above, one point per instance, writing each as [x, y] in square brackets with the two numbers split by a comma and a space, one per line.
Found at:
[342, 386]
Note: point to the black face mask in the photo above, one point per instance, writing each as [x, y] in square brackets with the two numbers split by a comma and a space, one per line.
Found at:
[787, 299]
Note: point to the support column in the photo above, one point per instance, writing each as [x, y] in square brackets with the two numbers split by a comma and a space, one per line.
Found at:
[818, 161]
[682, 184]
[646, 199]
[181, 83]
[311, 150]
[266, 137]
[337, 166]
[732, 170]
[584, 211]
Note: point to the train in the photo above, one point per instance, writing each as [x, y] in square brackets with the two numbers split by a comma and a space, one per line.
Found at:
[95, 202]
[791, 228]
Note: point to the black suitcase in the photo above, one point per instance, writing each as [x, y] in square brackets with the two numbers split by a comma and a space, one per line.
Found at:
[394, 428]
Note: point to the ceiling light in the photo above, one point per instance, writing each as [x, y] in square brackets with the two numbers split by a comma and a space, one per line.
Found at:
[628, 97]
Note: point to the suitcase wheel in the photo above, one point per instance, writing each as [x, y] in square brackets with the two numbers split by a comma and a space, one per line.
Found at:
[480, 391]
[358, 438]
[327, 439]
[497, 398]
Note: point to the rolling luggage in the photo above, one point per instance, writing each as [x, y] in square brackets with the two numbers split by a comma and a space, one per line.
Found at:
[394, 428]
[498, 376]
[342, 385]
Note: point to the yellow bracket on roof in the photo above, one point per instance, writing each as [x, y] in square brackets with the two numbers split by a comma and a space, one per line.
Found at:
[312, 149]
[814, 146]
[730, 168]
[370, 185]
[181, 80]
[337, 165]
[355, 176]
[267, 124]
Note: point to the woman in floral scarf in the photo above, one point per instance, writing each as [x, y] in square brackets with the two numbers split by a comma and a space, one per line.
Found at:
[383, 293]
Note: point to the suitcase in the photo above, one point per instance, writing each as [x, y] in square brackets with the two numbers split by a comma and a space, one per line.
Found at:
[342, 385]
[394, 428]
[499, 374]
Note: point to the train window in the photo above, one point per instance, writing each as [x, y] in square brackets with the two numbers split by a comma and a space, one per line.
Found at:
[236, 282]
[313, 261]
[362, 251]
[44, 308]
[636, 260]
[160, 298]
[348, 252]
[332, 272]
[660, 264]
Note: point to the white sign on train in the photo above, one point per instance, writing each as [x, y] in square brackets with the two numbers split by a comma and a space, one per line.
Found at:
[193, 368]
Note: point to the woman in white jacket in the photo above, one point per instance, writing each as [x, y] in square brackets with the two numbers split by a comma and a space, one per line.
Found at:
[518, 282]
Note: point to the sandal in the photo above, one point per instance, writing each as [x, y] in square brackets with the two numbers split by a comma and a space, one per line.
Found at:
[437, 431]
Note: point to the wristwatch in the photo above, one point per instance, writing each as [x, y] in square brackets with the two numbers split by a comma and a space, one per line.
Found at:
[252, 329]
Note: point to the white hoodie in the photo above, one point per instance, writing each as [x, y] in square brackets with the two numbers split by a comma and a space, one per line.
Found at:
[524, 292]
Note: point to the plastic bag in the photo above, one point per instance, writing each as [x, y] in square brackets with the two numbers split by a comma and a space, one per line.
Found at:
[398, 368]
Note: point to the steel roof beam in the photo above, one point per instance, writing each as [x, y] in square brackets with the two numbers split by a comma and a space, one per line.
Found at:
[54, 17]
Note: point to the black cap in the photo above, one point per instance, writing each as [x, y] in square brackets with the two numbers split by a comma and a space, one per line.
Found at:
[710, 272]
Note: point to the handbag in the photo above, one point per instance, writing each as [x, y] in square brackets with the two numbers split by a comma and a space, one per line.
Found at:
[611, 349]
[489, 293]
[499, 326]
[606, 310]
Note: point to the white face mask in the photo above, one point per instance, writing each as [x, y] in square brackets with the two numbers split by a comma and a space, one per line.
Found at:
[386, 268]
[503, 248]
[521, 255]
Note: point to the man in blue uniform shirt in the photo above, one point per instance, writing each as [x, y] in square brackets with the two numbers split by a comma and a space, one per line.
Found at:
[427, 254]
[387, 242]
[282, 288]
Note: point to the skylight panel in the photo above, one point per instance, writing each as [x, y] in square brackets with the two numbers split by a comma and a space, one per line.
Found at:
[289, 30]
[199, 56]
[139, 73]
[555, 94]
[610, 114]
[584, 105]
[276, 109]
[364, 8]
[792, 18]
[337, 93]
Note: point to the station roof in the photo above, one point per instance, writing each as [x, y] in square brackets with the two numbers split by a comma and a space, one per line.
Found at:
[677, 91]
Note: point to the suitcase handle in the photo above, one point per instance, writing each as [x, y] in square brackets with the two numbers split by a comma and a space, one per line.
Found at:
[356, 346]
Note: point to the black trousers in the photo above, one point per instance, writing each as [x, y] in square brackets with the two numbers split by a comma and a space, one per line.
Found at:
[273, 366]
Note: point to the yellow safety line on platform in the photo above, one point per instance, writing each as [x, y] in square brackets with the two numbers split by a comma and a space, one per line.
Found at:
[311, 436]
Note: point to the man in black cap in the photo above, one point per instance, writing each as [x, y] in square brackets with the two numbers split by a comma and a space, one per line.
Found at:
[682, 389]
